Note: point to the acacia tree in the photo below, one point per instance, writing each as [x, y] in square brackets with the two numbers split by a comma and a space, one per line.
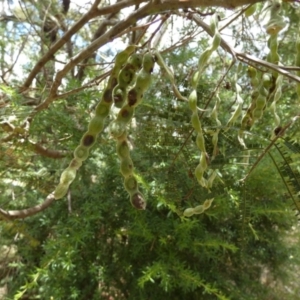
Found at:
[89, 67]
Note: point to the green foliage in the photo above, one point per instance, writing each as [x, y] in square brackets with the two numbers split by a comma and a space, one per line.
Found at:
[233, 128]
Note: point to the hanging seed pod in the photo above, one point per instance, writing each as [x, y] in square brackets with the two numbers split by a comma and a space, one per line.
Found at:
[60, 191]
[123, 149]
[137, 200]
[250, 11]
[131, 184]
[67, 176]
[96, 125]
[276, 22]
[198, 210]
[126, 166]
[81, 153]
[118, 126]
[188, 212]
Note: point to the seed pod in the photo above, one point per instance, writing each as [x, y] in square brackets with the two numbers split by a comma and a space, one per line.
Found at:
[60, 191]
[119, 96]
[137, 200]
[96, 125]
[199, 209]
[257, 113]
[216, 41]
[116, 128]
[136, 61]
[67, 176]
[193, 103]
[102, 110]
[122, 56]
[199, 171]
[123, 150]
[126, 75]
[133, 97]
[81, 153]
[250, 11]
[260, 102]
[188, 212]
[200, 142]
[88, 140]
[125, 114]
[131, 184]
[148, 62]
[207, 203]
[143, 81]
[196, 122]
[126, 166]
[75, 164]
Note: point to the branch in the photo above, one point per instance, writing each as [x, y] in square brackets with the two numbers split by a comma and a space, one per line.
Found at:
[23, 213]
[65, 38]
[251, 60]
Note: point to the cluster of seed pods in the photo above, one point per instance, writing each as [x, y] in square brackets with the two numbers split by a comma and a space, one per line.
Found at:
[297, 63]
[197, 210]
[273, 27]
[196, 123]
[132, 97]
[95, 126]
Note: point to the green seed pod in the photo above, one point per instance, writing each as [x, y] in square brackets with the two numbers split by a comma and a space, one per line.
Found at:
[133, 97]
[75, 164]
[67, 176]
[60, 191]
[107, 96]
[123, 149]
[125, 114]
[126, 166]
[260, 102]
[81, 153]
[199, 210]
[188, 212]
[143, 81]
[122, 56]
[207, 203]
[216, 41]
[116, 128]
[137, 200]
[102, 110]
[250, 11]
[196, 122]
[96, 125]
[257, 113]
[203, 60]
[136, 61]
[193, 101]
[126, 75]
[199, 171]
[148, 62]
[88, 140]
[200, 142]
[119, 96]
[131, 184]
[194, 80]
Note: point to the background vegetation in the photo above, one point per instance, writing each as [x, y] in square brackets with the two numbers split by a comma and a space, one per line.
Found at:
[55, 62]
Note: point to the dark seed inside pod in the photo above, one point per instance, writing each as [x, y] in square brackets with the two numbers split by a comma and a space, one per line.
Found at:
[277, 130]
[132, 97]
[138, 201]
[88, 140]
[107, 95]
[124, 113]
